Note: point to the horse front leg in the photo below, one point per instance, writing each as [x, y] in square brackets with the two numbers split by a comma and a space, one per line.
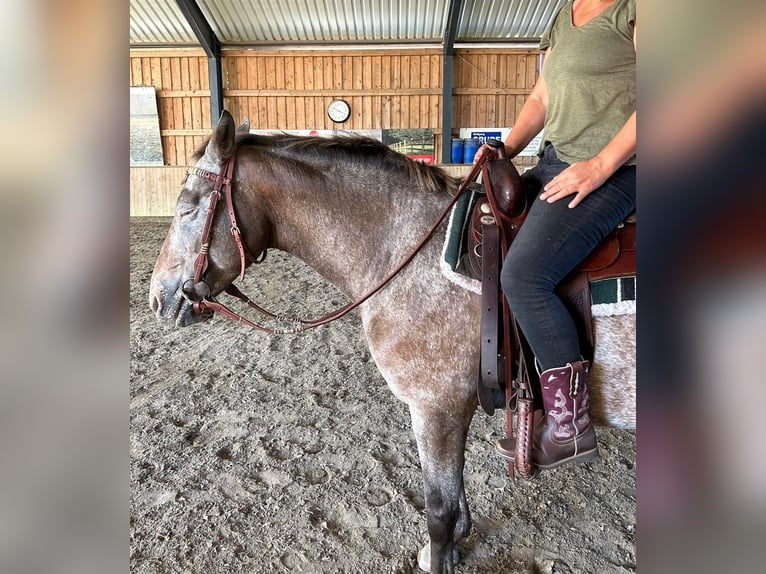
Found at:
[441, 441]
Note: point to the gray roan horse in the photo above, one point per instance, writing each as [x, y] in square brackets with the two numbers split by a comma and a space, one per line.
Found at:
[353, 209]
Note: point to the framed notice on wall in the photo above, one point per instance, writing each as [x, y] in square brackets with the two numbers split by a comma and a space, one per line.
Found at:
[145, 142]
[483, 134]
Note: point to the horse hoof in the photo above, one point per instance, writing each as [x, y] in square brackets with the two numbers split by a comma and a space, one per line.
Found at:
[424, 558]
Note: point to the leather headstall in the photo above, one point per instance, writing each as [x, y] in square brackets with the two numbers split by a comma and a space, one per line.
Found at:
[209, 304]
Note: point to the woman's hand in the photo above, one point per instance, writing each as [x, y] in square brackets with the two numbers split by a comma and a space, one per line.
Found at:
[579, 178]
[484, 149]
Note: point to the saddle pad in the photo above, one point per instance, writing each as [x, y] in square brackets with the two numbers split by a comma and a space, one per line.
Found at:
[613, 297]
[454, 261]
[608, 296]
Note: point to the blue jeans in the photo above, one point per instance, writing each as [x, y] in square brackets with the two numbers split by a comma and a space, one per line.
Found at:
[553, 240]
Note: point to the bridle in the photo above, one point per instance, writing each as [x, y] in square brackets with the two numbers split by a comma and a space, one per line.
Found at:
[208, 305]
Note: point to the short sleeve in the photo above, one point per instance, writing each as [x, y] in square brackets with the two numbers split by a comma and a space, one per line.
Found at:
[626, 19]
[545, 40]
[548, 38]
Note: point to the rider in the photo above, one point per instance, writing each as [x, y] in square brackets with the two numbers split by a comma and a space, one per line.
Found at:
[585, 103]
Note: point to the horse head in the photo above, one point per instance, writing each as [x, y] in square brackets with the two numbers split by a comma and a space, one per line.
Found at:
[205, 250]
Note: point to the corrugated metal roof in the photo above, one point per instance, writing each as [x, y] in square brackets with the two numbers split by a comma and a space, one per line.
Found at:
[327, 21]
[241, 22]
[159, 22]
[511, 20]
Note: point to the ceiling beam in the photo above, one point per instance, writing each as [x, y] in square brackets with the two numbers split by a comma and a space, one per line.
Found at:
[450, 31]
[212, 46]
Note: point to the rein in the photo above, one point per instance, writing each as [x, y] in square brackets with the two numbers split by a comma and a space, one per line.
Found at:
[209, 304]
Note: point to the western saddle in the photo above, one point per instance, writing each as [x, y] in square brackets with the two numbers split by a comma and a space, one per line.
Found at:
[505, 356]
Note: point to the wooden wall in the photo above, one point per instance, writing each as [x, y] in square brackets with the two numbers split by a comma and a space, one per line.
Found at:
[290, 89]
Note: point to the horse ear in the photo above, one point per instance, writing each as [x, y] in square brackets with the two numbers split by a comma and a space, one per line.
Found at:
[244, 127]
[221, 143]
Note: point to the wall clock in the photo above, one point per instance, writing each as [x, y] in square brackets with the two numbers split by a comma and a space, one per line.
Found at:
[338, 111]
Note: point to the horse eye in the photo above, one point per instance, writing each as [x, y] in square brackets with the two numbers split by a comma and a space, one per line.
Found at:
[187, 212]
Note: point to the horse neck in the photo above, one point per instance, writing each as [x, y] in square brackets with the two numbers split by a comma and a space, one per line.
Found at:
[355, 230]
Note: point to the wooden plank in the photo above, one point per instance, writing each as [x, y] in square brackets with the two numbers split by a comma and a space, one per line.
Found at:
[169, 52]
[156, 72]
[243, 78]
[337, 72]
[404, 114]
[357, 80]
[181, 154]
[309, 119]
[206, 120]
[320, 93]
[342, 51]
[251, 77]
[288, 121]
[299, 111]
[136, 75]
[308, 73]
[169, 150]
[376, 71]
[271, 114]
[261, 73]
[280, 82]
[295, 75]
[154, 190]
[178, 114]
[404, 71]
[521, 72]
[183, 64]
[263, 113]
[204, 77]
[385, 112]
[196, 113]
[320, 115]
[531, 71]
[187, 113]
[327, 77]
[182, 93]
[385, 72]
[396, 112]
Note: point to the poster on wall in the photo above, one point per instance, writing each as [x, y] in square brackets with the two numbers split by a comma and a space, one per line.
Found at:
[417, 144]
[145, 142]
[483, 134]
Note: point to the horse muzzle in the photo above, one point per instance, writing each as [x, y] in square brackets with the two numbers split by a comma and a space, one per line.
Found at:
[183, 305]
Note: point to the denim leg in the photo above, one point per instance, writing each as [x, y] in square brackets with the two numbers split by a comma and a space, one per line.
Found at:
[553, 240]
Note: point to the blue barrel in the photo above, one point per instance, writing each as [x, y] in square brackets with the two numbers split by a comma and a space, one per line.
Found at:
[457, 150]
[470, 148]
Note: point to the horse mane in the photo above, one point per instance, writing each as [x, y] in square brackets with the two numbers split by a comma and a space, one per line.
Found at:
[355, 150]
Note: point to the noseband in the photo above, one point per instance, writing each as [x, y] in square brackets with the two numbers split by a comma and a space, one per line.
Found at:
[207, 305]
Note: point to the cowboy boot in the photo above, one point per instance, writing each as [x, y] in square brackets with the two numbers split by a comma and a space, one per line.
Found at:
[565, 434]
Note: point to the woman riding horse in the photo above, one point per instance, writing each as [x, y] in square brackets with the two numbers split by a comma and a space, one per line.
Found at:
[585, 103]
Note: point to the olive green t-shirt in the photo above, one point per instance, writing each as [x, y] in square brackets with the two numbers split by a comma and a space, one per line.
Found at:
[590, 73]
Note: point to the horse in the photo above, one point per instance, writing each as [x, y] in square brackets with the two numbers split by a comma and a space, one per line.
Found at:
[352, 209]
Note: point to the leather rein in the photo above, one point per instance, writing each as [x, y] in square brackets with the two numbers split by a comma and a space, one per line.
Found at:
[209, 305]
